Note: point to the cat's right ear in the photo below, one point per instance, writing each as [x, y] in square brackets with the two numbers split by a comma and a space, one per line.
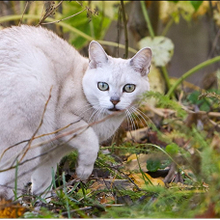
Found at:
[97, 55]
[141, 61]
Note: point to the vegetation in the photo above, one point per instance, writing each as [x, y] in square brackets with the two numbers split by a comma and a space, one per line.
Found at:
[164, 163]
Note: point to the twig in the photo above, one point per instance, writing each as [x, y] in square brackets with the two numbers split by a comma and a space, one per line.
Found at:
[125, 28]
[40, 124]
[30, 140]
[49, 12]
[74, 132]
[27, 2]
[214, 43]
[63, 19]
[79, 209]
[39, 136]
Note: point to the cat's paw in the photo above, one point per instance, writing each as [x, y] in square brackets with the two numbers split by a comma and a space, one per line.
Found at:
[84, 171]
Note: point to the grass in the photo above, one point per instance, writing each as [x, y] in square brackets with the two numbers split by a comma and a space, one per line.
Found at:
[117, 189]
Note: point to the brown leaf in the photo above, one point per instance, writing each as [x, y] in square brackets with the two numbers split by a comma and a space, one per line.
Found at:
[153, 138]
[209, 213]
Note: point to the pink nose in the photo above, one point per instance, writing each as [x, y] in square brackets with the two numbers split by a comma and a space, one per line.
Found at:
[115, 101]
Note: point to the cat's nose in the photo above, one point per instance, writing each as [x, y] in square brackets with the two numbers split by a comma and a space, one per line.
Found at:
[115, 100]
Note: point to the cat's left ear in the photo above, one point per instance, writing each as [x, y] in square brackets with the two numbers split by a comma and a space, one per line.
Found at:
[97, 55]
[141, 61]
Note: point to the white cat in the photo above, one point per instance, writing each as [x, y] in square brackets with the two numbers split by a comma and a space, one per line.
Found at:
[46, 85]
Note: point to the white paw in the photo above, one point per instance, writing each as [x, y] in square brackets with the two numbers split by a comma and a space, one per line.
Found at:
[84, 171]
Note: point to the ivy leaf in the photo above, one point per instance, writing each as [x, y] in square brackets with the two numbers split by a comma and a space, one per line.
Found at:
[162, 48]
[153, 165]
[196, 4]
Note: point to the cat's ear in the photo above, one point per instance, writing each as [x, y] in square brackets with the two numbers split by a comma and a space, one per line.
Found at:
[97, 55]
[141, 61]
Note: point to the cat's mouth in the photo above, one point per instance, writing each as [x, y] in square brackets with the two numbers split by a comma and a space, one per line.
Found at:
[113, 109]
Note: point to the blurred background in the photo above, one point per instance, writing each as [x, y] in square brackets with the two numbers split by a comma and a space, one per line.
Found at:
[182, 34]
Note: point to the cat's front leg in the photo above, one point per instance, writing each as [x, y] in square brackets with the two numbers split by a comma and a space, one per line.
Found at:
[84, 140]
[87, 145]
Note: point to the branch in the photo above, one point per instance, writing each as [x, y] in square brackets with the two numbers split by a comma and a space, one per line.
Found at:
[74, 134]
[192, 71]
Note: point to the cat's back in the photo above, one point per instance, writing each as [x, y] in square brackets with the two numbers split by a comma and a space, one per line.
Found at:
[32, 61]
[23, 37]
[32, 46]
[35, 55]
[25, 61]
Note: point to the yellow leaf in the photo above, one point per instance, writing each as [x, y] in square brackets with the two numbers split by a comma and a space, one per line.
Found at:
[141, 183]
[10, 210]
[132, 163]
[132, 157]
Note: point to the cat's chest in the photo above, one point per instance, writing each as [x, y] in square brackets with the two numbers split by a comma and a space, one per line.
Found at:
[108, 127]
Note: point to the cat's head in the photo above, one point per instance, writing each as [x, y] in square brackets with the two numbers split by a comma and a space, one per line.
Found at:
[113, 84]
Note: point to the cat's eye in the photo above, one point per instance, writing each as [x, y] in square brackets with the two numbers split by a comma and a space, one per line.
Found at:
[129, 88]
[103, 86]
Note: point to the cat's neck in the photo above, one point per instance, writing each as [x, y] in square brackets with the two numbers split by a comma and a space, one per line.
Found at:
[106, 126]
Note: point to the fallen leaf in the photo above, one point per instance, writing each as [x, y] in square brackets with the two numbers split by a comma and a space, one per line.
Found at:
[8, 209]
[209, 213]
[132, 164]
[141, 182]
[137, 135]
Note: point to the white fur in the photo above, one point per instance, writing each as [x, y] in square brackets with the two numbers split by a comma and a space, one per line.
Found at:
[32, 62]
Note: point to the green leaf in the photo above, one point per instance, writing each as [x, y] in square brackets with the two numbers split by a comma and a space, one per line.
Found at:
[194, 97]
[203, 103]
[196, 4]
[172, 149]
[162, 48]
[153, 165]
[93, 24]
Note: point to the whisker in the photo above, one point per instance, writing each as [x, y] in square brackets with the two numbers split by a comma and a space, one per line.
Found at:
[100, 113]
[93, 115]
[141, 114]
[133, 127]
[137, 117]
[86, 109]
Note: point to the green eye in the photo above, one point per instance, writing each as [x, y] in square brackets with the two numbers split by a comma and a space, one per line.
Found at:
[129, 88]
[103, 86]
